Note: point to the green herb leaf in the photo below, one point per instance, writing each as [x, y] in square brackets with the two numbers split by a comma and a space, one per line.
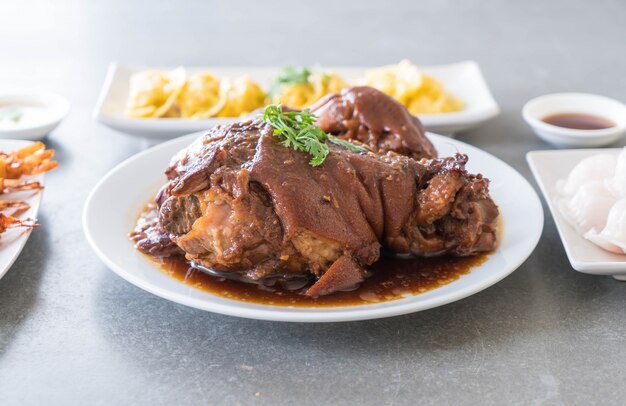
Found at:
[11, 114]
[297, 130]
[290, 76]
[346, 144]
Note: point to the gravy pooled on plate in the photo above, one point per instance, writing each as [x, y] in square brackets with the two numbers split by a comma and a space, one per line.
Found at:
[389, 279]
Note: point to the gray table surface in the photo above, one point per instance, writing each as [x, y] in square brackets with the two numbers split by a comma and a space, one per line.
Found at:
[72, 332]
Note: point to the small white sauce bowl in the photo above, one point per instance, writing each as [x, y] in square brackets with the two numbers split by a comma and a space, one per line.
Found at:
[54, 107]
[578, 103]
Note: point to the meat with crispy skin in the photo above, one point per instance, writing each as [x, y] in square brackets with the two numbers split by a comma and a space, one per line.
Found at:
[375, 119]
[238, 201]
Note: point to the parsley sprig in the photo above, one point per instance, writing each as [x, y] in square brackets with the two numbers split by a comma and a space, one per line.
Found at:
[290, 76]
[297, 130]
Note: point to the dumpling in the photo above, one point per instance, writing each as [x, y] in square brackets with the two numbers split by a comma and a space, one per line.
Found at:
[202, 97]
[617, 184]
[399, 81]
[588, 207]
[419, 93]
[601, 166]
[311, 87]
[153, 94]
[613, 236]
[243, 95]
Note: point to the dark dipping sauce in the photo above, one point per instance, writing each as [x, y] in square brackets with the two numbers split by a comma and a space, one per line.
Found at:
[391, 279]
[578, 121]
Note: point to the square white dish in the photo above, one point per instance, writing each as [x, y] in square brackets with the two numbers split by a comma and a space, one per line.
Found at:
[550, 166]
[463, 79]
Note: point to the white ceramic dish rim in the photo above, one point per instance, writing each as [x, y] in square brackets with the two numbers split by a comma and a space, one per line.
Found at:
[35, 201]
[535, 121]
[460, 119]
[56, 103]
[277, 313]
[614, 268]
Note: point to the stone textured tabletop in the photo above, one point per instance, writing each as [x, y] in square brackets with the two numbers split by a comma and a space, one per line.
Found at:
[72, 332]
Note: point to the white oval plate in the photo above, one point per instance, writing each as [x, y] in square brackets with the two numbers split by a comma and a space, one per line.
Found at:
[12, 241]
[463, 79]
[115, 202]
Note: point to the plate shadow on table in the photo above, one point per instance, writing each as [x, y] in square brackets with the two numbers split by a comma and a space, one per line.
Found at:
[19, 288]
[158, 333]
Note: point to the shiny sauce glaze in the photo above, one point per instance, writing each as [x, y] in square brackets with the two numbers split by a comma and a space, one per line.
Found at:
[391, 278]
[579, 121]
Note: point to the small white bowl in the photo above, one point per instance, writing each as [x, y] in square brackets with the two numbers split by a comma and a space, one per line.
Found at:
[582, 103]
[38, 114]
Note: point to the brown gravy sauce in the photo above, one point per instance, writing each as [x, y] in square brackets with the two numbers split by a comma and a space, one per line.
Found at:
[579, 121]
[391, 279]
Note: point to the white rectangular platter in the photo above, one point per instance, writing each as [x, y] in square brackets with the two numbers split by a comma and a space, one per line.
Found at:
[463, 79]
